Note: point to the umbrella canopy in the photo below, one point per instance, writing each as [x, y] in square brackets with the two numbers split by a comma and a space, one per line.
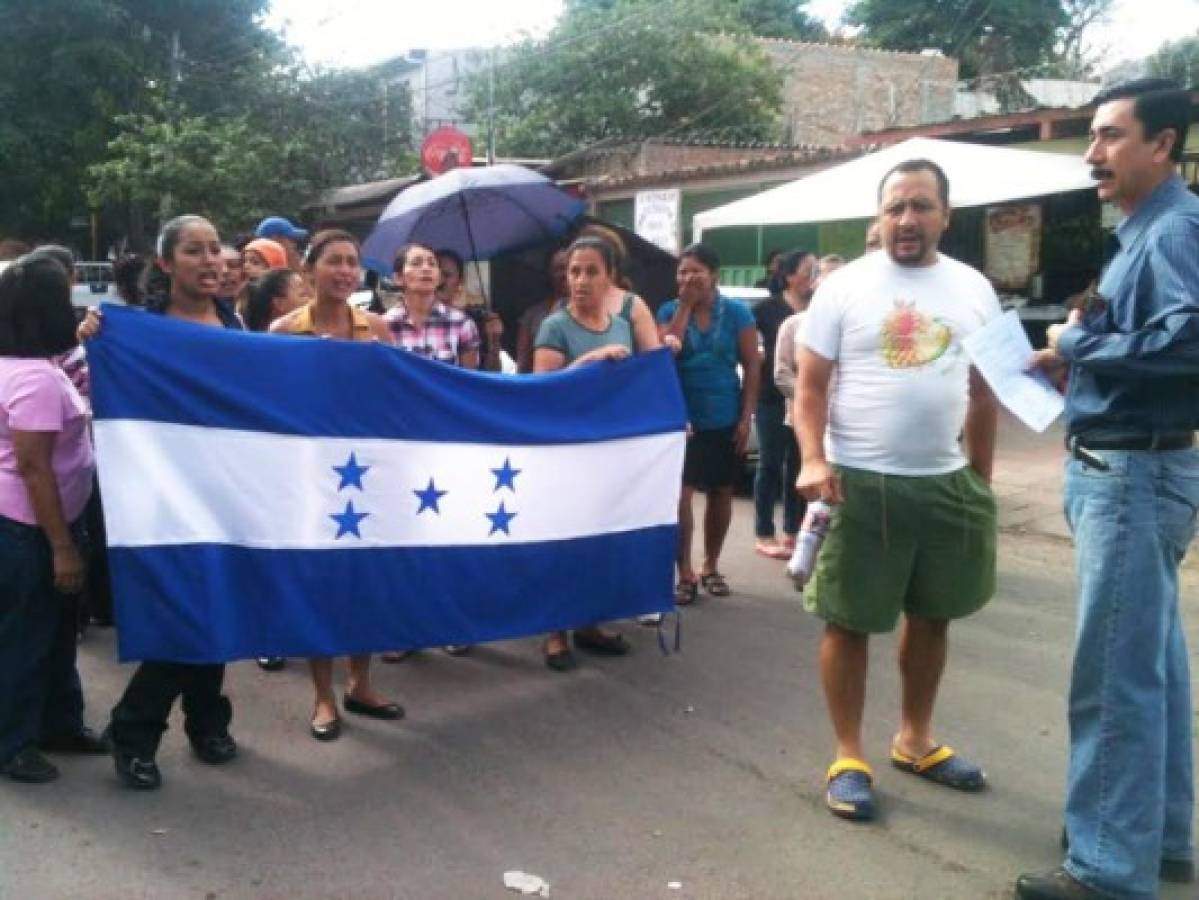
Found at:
[978, 175]
[478, 213]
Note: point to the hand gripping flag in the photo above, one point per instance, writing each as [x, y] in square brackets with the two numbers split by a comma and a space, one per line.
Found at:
[276, 496]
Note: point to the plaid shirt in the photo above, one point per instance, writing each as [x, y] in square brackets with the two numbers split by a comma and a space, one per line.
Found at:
[447, 335]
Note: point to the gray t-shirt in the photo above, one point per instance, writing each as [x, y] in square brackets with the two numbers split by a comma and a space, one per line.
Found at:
[560, 331]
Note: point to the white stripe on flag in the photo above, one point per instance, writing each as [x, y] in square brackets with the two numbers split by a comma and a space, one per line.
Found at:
[184, 484]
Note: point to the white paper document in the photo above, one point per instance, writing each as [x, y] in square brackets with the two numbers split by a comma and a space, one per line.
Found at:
[1000, 351]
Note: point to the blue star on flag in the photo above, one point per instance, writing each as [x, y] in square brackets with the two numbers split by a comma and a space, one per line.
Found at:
[505, 477]
[500, 519]
[351, 473]
[429, 498]
[347, 522]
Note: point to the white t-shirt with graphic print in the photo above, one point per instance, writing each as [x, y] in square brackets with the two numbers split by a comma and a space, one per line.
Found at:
[898, 397]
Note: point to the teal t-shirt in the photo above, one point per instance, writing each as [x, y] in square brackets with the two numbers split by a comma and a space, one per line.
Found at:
[560, 331]
[708, 364]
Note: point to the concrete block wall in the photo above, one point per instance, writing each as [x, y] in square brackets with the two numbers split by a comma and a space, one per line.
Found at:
[832, 92]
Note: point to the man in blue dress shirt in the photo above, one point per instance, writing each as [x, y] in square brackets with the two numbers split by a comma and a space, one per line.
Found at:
[1132, 490]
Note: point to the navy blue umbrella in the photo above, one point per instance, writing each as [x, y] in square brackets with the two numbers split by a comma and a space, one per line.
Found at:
[478, 213]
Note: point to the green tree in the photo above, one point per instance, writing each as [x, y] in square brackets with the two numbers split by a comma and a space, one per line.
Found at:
[121, 102]
[70, 67]
[781, 19]
[1178, 60]
[212, 167]
[1072, 59]
[987, 36]
[309, 133]
[631, 68]
[763, 18]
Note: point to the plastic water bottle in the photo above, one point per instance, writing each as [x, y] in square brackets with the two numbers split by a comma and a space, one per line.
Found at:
[811, 538]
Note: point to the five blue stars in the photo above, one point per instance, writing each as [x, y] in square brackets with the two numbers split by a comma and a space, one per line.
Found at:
[347, 522]
[500, 519]
[505, 477]
[429, 498]
[351, 473]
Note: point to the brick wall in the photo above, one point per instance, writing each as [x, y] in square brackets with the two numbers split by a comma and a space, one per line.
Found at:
[833, 92]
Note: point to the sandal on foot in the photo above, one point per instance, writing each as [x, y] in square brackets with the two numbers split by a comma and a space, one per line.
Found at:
[771, 550]
[715, 584]
[850, 790]
[686, 593]
[942, 765]
[598, 642]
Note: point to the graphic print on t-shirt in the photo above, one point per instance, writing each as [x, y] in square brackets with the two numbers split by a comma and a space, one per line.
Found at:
[911, 339]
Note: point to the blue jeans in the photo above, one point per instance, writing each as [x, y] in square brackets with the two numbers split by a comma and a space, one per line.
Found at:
[1130, 788]
[778, 467]
[40, 695]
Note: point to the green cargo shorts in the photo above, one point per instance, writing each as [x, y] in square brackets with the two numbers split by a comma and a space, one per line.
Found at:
[921, 545]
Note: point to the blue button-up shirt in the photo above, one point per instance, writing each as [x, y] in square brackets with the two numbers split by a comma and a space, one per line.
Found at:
[1134, 361]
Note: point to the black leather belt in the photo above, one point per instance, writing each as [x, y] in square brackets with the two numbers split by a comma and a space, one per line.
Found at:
[1162, 440]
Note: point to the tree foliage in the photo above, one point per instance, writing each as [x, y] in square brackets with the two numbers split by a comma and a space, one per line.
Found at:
[113, 101]
[987, 36]
[631, 68]
[1072, 58]
[1178, 60]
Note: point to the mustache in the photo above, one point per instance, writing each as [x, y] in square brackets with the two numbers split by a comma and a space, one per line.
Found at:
[1099, 174]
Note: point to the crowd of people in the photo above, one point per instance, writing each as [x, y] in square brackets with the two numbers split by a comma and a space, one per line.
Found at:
[855, 378]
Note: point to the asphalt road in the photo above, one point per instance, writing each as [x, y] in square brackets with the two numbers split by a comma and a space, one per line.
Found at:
[703, 768]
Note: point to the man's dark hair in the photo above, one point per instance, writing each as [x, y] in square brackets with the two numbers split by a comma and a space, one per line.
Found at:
[453, 256]
[56, 252]
[909, 166]
[260, 297]
[1159, 103]
[702, 254]
[36, 316]
[126, 275]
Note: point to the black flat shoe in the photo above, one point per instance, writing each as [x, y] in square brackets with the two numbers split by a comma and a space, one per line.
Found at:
[30, 767]
[382, 711]
[137, 773]
[562, 661]
[271, 663]
[215, 749]
[598, 642]
[1056, 885]
[84, 743]
[326, 731]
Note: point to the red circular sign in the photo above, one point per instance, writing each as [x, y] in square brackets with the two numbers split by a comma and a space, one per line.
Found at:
[445, 148]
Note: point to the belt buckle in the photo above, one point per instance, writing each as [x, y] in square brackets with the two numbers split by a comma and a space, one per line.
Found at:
[1085, 456]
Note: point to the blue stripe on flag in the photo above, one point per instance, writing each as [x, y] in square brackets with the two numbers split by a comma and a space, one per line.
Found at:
[159, 369]
[215, 603]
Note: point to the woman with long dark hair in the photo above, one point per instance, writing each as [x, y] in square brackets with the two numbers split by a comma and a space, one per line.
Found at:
[189, 266]
[271, 297]
[333, 266]
[716, 335]
[45, 483]
[584, 332]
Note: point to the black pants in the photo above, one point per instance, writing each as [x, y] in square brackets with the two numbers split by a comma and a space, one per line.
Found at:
[40, 695]
[97, 594]
[140, 718]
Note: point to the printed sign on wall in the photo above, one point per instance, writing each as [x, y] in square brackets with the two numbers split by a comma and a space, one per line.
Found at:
[656, 218]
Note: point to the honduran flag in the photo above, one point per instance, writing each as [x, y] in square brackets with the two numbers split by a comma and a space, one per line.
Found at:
[283, 496]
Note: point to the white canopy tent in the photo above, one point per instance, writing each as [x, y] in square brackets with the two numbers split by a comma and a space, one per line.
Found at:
[979, 175]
